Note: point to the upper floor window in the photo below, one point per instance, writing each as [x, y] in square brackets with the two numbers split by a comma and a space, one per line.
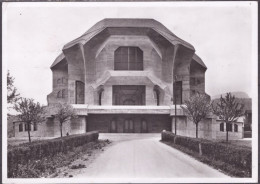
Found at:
[128, 58]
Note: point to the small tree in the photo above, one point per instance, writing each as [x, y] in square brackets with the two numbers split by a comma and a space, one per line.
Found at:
[30, 112]
[12, 95]
[63, 113]
[228, 109]
[197, 108]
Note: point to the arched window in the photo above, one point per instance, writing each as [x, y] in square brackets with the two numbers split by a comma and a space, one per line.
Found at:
[235, 128]
[100, 92]
[144, 126]
[157, 95]
[80, 92]
[222, 127]
[128, 58]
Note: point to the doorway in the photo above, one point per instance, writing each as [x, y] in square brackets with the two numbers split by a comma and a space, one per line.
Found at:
[128, 126]
[144, 128]
[113, 126]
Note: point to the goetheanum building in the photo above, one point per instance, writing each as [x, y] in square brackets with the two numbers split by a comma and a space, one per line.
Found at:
[122, 75]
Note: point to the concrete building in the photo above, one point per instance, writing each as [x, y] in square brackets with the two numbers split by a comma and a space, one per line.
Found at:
[121, 77]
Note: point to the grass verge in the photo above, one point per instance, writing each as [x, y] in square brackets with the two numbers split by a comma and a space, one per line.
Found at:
[217, 164]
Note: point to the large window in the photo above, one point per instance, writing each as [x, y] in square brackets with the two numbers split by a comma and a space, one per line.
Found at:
[80, 92]
[129, 95]
[128, 58]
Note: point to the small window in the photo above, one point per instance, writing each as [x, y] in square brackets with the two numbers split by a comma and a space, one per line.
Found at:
[20, 127]
[229, 127]
[59, 81]
[64, 80]
[235, 127]
[222, 127]
[35, 128]
[192, 81]
[59, 94]
[63, 93]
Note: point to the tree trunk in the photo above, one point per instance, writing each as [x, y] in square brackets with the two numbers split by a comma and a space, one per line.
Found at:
[196, 130]
[61, 129]
[227, 136]
[28, 130]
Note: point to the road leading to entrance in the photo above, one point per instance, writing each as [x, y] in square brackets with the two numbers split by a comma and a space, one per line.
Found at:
[143, 156]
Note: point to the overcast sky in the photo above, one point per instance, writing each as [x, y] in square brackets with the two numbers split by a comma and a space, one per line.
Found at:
[33, 36]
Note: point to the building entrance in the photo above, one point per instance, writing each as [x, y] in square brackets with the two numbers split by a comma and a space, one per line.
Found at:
[128, 126]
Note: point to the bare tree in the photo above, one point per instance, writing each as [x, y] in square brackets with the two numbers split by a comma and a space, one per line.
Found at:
[228, 109]
[197, 108]
[63, 113]
[12, 94]
[29, 113]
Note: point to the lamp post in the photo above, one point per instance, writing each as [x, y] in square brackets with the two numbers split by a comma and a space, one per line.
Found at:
[175, 104]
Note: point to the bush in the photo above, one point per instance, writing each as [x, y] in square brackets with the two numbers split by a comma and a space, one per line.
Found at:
[22, 154]
[235, 156]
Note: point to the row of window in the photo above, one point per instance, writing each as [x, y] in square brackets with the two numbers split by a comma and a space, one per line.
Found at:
[229, 127]
[24, 127]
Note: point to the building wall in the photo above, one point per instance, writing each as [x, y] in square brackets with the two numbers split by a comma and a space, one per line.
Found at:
[155, 123]
[208, 128]
[59, 84]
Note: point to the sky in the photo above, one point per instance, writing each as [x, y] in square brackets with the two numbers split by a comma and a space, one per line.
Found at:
[222, 34]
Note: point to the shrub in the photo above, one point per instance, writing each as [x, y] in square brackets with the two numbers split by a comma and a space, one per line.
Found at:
[232, 155]
[167, 136]
[192, 144]
[237, 156]
[22, 154]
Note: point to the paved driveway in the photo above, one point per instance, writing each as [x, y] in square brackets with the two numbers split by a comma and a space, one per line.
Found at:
[143, 156]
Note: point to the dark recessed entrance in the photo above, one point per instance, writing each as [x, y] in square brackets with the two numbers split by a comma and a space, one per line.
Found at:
[128, 123]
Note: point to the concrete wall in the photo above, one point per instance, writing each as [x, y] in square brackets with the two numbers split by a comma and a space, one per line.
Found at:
[51, 128]
[155, 123]
[59, 83]
[208, 128]
[197, 78]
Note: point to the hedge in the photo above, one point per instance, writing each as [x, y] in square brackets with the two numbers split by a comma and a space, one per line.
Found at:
[25, 153]
[237, 156]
